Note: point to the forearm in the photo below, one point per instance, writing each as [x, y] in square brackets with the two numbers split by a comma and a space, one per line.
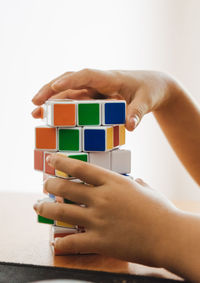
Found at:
[182, 254]
[180, 122]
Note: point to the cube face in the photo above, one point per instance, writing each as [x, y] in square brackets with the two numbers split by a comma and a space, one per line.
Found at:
[122, 135]
[64, 114]
[116, 135]
[121, 161]
[94, 139]
[102, 159]
[70, 139]
[38, 160]
[114, 113]
[88, 114]
[48, 169]
[46, 138]
[45, 220]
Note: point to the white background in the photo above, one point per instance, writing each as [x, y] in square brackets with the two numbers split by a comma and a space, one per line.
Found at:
[39, 40]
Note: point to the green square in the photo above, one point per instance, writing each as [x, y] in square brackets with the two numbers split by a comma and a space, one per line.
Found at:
[82, 157]
[88, 114]
[69, 139]
[44, 220]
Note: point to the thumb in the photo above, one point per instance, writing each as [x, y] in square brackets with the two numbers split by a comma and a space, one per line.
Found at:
[79, 243]
[135, 111]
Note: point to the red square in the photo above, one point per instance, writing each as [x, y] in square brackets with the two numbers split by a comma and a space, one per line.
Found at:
[38, 160]
[116, 135]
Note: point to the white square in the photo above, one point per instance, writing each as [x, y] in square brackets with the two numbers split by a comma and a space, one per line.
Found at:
[121, 161]
[102, 159]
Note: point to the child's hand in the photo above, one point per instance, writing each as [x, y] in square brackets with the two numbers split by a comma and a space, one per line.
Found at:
[123, 218]
[144, 91]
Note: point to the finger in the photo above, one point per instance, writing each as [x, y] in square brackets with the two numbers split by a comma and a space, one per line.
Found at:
[69, 213]
[136, 110]
[81, 243]
[38, 113]
[46, 91]
[73, 191]
[70, 94]
[104, 82]
[84, 171]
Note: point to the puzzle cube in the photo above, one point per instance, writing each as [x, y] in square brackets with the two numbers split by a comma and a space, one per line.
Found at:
[79, 156]
[59, 232]
[102, 159]
[61, 113]
[38, 160]
[121, 161]
[70, 139]
[97, 138]
[88, 113]
[46, 138]
[113, 112]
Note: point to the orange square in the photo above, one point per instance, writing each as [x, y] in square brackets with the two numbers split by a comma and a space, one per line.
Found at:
[45, 138]
[64, 114]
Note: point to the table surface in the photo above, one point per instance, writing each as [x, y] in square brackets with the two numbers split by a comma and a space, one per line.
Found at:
[23, 240]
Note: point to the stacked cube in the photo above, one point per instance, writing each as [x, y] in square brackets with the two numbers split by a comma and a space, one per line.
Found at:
[91, 131]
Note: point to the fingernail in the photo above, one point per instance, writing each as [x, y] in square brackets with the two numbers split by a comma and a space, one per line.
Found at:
[135, 121]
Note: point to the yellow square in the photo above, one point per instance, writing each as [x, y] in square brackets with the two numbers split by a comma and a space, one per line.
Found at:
[109, 138]
[64, 224]
[121, 134]
[61, 174]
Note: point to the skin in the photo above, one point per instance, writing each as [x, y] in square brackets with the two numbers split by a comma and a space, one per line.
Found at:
[149, 229]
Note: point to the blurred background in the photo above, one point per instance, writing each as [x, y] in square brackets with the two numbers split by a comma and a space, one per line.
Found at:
[39, 40]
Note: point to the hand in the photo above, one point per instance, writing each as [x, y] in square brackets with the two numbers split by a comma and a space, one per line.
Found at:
[144, 91]
[122, 218]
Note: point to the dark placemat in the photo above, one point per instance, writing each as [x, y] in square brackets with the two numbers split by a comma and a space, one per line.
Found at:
[21, 273]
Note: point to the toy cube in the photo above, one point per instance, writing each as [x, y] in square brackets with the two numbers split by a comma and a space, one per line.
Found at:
[38, 160]
[70, 139]
[122, 134]
[61, 113]
[102, 159]
[64, 224]
[46, 138]
[121, 161]
[79, 156]
[89, 113]
[48, 169]
[113, 112]
[97, 138]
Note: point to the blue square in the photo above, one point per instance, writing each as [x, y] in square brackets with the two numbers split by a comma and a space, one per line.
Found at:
[115, 113]
[94, 140]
